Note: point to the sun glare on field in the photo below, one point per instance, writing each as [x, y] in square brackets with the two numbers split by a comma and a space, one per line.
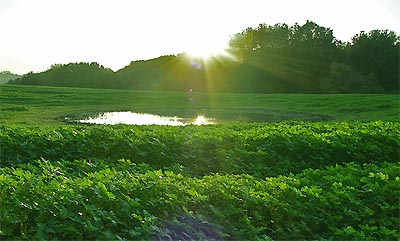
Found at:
[202, 120]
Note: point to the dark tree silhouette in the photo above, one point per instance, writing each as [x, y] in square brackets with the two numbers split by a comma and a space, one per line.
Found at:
[376, 53]
[267, 59]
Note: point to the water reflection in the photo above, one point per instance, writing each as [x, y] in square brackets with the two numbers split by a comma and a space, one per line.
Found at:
[130, 118]
[201, 120]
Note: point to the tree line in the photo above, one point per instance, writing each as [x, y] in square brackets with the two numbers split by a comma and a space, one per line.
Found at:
[264, 59]
[6, 76]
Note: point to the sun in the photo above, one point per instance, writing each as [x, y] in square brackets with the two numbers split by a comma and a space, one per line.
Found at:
[206, 49]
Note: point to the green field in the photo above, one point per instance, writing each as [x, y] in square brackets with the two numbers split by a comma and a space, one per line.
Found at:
[34, 105]
[276, 167]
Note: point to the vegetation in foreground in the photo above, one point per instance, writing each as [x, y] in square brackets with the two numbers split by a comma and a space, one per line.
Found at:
[260, 150]
[288, 180]
[291, 181]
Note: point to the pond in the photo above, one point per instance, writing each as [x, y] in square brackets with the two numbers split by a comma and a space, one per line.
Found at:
[130, 118]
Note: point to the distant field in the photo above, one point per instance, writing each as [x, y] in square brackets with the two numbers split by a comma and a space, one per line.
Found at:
[34, 105]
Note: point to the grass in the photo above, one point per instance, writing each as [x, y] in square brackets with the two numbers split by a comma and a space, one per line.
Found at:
[37, 105]
[336, 178]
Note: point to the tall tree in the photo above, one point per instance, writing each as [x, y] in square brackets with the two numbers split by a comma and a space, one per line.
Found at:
[314, 48]
[377, 53]
[295, 58]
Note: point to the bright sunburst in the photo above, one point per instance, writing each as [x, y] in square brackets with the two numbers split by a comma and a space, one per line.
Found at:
[206, 49]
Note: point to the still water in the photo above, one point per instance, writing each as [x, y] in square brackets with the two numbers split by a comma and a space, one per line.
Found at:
[130, 118]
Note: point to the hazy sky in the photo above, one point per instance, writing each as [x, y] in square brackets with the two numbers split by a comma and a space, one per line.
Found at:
[38, 33]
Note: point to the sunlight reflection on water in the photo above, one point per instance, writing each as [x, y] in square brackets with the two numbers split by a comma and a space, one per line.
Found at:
[130, 118]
